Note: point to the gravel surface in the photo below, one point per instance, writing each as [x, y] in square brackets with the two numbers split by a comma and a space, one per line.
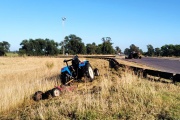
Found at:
[166, 65]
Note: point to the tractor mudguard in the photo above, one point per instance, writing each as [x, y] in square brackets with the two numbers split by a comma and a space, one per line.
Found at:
[66, 69]
[82, 64]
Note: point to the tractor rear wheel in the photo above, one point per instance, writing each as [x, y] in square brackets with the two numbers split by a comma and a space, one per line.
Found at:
[90, 72]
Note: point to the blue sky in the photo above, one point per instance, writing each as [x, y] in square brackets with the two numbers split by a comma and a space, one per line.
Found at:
[139, 22]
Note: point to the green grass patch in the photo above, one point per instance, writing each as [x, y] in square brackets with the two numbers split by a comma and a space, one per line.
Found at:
[12, 55]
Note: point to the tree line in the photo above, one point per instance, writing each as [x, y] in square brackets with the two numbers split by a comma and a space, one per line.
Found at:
[73, 44]
[38, 47]
[166, 50]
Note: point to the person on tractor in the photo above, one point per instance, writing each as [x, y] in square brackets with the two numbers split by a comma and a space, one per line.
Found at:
[75, 64]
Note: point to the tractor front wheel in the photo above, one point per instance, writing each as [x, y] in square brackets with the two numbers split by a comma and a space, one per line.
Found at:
[64, 79]
[96, 72]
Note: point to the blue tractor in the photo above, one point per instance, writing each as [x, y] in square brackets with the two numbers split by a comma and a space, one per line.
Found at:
[77, 70]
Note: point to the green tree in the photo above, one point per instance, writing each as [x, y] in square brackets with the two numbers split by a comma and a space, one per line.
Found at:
[150, 51]
[38, 47]
[51, 47]
[157, 51]
[134, 48]
[107, 46]
[91, 48]
[170, 50]
[177, 50]
[99, 49]
[74, 45]
[127, 51]
[26, 47]
[2, 51]
[118, 50]
[4, 48]
[42, 46]
[164, 50]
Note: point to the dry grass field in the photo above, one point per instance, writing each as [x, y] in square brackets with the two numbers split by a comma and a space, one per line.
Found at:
[112, 95]
[20, 77]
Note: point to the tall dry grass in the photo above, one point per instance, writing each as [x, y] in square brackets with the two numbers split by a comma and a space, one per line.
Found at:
[113, 95]
[22, 76]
